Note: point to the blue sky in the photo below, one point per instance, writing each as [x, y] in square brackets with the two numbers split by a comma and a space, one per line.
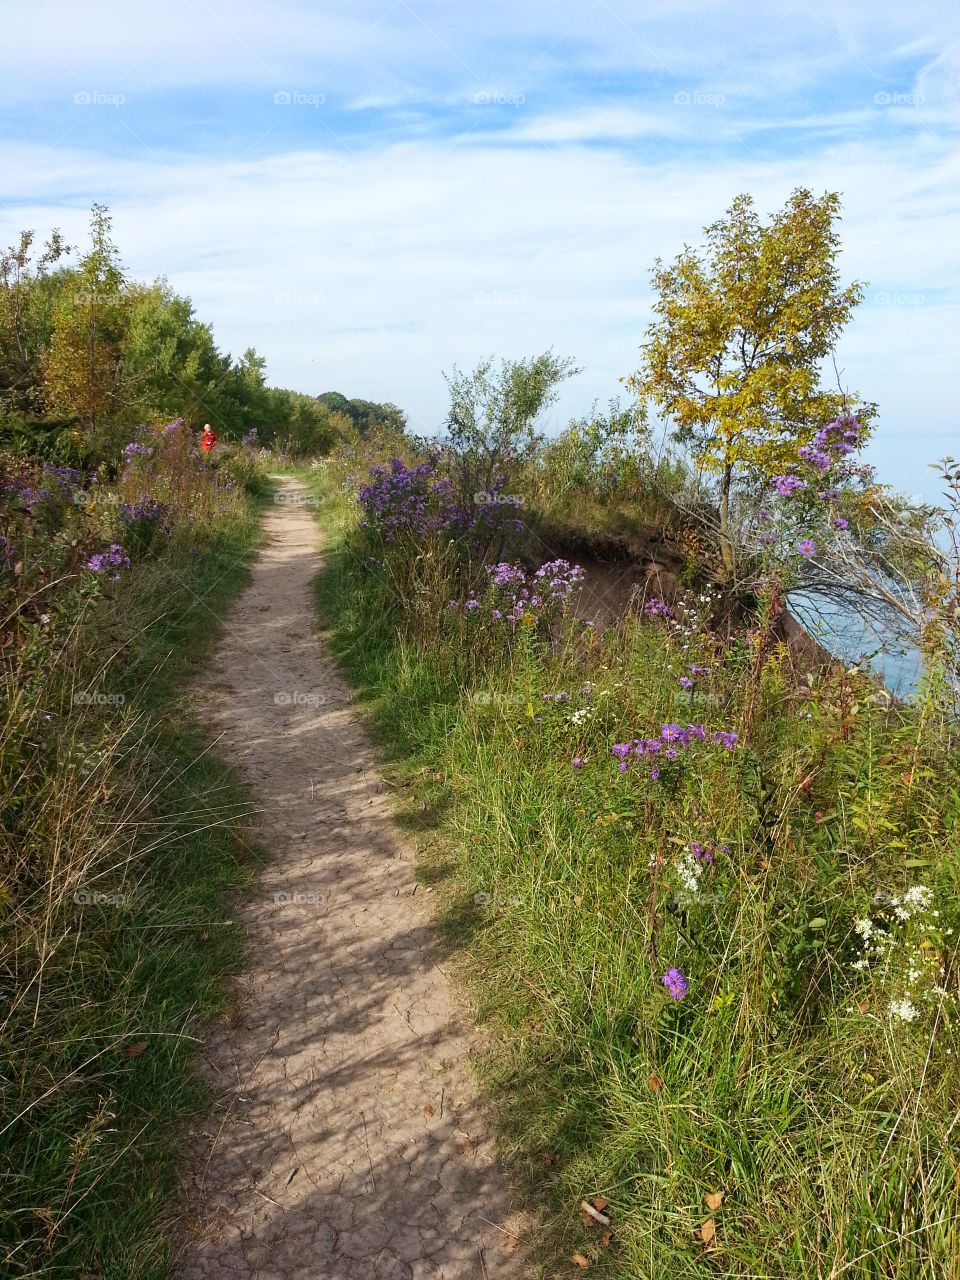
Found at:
[372, 192]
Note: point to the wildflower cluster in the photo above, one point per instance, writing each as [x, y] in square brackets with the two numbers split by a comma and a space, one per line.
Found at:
[56, 487]
[897, 945]
[145, 510]
[515, 594]
[404, 501]
[673, 739]
[115, 558]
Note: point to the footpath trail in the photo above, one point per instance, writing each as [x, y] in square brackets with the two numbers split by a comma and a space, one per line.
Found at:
[351, 1143]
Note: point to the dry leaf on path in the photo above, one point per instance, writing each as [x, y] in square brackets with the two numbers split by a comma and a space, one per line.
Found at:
[581, 1261]
[654, 1083]
[708, 1231]
[713, 1200]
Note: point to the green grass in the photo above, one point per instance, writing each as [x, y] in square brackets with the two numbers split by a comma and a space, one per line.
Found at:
[780, 1080]
[125, 806]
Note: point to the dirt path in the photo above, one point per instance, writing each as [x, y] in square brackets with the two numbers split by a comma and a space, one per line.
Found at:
[352, 1144]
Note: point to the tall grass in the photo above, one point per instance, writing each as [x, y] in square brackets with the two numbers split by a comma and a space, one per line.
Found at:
[122, 836]
[785, 1086]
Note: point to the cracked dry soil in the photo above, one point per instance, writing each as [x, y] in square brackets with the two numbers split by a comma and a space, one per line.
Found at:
[351, 1142]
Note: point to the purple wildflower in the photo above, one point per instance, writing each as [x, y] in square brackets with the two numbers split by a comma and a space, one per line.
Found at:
[115, 558]
[818, 458]
[807, 547]
[686, 682]
[676, 983]
[577, 762]
[841, 522]
[786, 485]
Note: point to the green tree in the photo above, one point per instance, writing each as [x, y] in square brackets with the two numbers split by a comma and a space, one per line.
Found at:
[82, 373]
[493, 414]
[734, 358]
[27, 294]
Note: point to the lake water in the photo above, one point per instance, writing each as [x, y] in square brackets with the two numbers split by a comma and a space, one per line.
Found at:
[854, 639]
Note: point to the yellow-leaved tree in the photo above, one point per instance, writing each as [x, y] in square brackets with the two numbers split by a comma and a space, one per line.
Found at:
[743, 328]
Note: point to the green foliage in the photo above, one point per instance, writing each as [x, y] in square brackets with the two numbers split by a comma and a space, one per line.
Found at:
[492, 417]
[365, 415]
[735, 354]
[812, 1093]
[86, 355]
[121, 839]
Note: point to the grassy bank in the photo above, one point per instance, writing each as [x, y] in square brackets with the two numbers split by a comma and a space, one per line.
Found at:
[721, 979]
[122, 835]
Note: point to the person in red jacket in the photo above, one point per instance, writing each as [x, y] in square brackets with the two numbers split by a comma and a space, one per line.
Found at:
[207, 438]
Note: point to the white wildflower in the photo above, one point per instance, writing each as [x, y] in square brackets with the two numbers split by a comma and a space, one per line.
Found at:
[903, 1009]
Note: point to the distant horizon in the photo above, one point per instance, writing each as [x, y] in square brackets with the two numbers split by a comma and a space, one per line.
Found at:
[374, 194]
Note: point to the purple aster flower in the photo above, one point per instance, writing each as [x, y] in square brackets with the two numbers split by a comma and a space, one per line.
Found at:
[577, 762]
[786, 485]
[676, 983]
[654, 774]
[841, 522]
[686, 682]
[115, 558]
[807, 547]
[818, 458]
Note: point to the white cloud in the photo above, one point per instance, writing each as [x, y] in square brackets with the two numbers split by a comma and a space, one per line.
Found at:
[437, 230]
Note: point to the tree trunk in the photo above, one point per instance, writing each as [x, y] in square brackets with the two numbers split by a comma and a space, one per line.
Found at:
[726, 543]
